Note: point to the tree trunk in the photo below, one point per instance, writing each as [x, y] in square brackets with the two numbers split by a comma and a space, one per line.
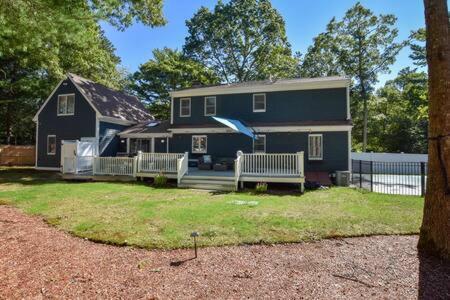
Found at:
[8, 123]
[364, 95]
[435, 231]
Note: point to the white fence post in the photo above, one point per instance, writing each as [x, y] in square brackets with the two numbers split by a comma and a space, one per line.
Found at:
[300, 163]
[237, 169]
[139, 159]
[135, 165]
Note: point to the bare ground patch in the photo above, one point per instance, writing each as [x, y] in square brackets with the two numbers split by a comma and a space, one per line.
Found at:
[38, 260]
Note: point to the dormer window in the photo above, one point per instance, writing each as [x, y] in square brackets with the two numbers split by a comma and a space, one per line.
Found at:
[259, 102]
[210, 106]
[185, 107]
[66, 105]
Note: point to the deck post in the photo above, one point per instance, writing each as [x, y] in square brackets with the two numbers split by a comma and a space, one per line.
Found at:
[302, 187]
[300, 166]
[186, 155]
[135, 164]
[139, 161]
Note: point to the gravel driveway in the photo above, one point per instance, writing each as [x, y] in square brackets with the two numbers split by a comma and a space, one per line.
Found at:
[40, 261]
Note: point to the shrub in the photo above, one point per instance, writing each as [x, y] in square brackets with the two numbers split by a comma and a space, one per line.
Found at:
[160, 180]
[261, 187]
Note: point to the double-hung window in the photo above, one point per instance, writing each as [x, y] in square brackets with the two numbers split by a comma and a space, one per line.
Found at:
[210, 106]
[259, 143]
[199, 143]
[66, 105]
[315, 147]
[51, 144]
[259, 102]
[185, 107]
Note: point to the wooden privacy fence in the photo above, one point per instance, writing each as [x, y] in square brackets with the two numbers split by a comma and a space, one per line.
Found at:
[11, 155]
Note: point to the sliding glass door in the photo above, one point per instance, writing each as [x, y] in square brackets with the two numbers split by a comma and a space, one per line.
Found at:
[144, 145]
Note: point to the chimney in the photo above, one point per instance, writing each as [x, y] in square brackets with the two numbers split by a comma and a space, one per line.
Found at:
[196, 84]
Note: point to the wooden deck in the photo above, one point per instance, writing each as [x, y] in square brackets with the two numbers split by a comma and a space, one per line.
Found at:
[257, 167]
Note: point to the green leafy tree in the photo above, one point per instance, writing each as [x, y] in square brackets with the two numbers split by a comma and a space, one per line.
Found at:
[42, 40]
[361, 45]
[122, 13]
[399, 114]
[418, 49]
[166, 71]
[320, 59]
[241, 40]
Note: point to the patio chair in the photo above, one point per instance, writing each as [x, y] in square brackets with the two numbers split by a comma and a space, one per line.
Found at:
[205, 162]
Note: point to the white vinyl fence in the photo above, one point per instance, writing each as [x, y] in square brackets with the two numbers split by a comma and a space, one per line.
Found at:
[271, 164]
[114, 166]
[158, 162]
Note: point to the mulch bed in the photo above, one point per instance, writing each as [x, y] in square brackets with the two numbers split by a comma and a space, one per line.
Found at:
[38, 260]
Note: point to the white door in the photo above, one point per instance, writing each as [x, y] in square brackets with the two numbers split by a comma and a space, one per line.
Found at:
[68, 154]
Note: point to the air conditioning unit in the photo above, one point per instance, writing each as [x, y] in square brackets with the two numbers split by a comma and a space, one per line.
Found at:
[343, 178]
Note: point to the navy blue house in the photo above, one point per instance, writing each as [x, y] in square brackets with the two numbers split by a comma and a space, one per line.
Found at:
[287, 116]
[79, 109]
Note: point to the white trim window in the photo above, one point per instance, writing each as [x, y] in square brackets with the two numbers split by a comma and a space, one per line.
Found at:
[259, 143]
[210, 106]
[51, 144]
[199, 144]
[315, 147]
[66, 105]
[259, 102]
[185, 107]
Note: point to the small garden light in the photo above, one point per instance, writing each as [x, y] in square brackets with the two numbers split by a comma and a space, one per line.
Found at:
[194, 235]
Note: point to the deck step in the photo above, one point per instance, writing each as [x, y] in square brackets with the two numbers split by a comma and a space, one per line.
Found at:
[208, 178]
[208, 186]
[204, 181]
[208, 183]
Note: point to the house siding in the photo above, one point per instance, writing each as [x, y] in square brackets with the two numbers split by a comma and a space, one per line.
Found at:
[335, 147]
[81, 124]
[282, 107]
[161, 145]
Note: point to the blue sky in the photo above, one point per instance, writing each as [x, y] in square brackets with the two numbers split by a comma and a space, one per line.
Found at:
[304, 20]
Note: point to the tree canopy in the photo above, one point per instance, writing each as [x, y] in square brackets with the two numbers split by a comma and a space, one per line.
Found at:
[362, 46]
[41, 40]
[241, 40]
[398, 119]
[168, 70]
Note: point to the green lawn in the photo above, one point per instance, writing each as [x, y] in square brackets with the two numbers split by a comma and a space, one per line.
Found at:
[139, 215]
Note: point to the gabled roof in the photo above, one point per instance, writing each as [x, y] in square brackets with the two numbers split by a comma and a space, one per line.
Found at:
[265, 86]
[111, 103]
[107, 102]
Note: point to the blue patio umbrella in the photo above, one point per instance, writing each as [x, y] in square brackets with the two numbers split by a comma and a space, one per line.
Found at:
[236, 125]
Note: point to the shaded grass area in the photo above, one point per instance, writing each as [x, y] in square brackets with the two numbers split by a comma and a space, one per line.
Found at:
[139, 215]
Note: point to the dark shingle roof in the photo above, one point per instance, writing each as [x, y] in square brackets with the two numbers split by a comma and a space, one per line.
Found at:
[159, 127]
[111, 103]
[265, 82]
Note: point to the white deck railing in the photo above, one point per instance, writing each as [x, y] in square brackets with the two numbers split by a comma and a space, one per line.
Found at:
[158, 162]
[272, 164]
[182, 166]
[114, 166]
